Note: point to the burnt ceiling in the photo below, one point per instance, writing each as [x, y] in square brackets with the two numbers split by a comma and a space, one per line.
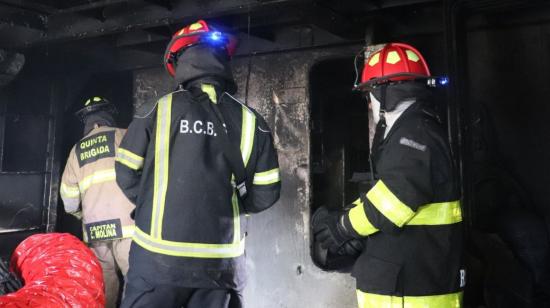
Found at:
[25, 23]
[127, 34]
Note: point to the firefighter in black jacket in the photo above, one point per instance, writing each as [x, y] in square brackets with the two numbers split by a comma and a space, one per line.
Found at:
[411, 215]
[195, 162]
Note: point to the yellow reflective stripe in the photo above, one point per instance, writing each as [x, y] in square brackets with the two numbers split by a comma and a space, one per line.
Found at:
[69, 191]
[389, 205]
[97, 177]
[369, 300]
[247, 134]
[131, 160]
[444, 213]
[359, 220]
[162, 148]
[181, 249]
[236, 219]
[267, 177]
[210, 91]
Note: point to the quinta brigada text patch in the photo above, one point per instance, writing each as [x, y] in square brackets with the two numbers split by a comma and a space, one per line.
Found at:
[104, 230]
[95, 147]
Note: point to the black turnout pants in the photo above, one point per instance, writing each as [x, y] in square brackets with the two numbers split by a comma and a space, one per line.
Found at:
[140, 293]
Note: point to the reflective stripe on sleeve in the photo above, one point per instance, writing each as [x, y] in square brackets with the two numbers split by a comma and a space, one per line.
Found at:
[69, 191]
[129, 159]
[359, 220]
[369, 300]
[444, 213]
[101, 176]
[389, 205]
[182, 249]
[267, 177]
[162, 150]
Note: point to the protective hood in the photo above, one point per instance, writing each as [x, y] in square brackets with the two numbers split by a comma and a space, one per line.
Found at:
[200, 62]
[391, 116]
[101, 118]
[401, 92]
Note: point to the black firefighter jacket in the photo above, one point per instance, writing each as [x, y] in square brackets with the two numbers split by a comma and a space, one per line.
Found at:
[412, 216]
[190, 224]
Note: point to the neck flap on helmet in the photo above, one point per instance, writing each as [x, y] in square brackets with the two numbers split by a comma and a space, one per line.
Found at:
[204, 62]
[390, 95]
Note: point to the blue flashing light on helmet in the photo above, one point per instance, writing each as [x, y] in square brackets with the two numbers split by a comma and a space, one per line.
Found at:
[437, 81]
[215, 38]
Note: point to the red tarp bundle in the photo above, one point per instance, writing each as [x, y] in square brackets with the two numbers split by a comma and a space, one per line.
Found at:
[58, 271]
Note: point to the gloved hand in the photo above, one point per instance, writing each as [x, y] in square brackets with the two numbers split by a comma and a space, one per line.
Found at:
[353, 247]
[331, 234]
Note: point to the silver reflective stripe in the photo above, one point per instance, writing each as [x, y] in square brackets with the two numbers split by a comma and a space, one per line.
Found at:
[182, 249]
[162, 148]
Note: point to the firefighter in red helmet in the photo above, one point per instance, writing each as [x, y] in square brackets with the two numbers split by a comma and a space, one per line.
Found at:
[411, 216]
[195, 162]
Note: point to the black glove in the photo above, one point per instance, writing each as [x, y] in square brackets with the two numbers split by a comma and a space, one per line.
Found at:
[331, 233]
[353, 247]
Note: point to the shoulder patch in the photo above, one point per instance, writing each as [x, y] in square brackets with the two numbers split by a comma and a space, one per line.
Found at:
[412, 144]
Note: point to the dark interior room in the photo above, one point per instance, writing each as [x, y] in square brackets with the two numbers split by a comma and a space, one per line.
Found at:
[297, 64]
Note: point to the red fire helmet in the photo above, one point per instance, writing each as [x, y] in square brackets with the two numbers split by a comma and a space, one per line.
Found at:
[394, 62]
[196, 33]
